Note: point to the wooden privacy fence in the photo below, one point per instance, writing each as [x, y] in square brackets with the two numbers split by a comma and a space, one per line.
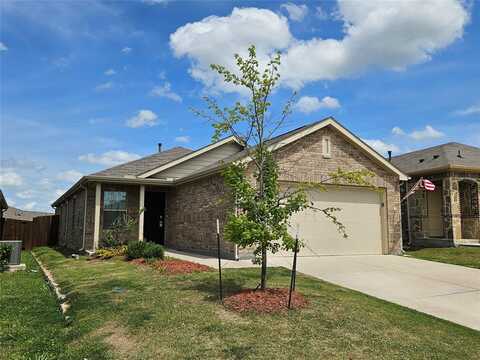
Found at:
[42, 231]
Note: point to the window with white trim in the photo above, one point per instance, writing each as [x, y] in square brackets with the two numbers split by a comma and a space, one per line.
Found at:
[326, 147]
[114, 207]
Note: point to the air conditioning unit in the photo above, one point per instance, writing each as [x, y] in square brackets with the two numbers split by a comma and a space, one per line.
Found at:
[15, 255]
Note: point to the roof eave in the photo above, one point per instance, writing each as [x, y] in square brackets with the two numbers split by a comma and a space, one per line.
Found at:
[444, 169]
[111, 179]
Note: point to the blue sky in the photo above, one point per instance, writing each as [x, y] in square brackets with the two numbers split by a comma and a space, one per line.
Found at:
[88, 84]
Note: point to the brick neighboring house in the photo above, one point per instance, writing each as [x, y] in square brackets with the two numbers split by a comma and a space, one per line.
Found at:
[183, 194]
[450, 214]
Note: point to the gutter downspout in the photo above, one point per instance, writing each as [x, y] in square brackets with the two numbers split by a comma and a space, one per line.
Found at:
[84, 216]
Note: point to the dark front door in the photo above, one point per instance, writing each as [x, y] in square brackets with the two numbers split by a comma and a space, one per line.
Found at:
[154, 217]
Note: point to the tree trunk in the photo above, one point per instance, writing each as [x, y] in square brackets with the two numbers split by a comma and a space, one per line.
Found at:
[263, 276]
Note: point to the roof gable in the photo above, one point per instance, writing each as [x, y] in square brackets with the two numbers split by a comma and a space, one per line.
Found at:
[188, 156]
[302, 132]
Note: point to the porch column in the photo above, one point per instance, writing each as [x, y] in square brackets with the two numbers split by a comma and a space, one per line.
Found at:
[96, 223]
[141, 208]
[453, 224]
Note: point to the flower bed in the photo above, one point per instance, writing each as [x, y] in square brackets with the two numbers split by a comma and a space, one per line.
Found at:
[264, 301]
[174, 266]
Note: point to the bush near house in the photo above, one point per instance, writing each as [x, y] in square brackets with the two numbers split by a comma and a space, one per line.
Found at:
[144, 249]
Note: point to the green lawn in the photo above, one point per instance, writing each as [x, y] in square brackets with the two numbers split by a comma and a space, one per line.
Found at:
[31, 325]
[120, 310]
[465, 256]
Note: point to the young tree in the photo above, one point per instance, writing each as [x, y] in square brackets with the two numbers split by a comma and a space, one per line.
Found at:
[265, 208]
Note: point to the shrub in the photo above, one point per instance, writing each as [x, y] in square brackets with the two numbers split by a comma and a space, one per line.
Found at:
[135, 249]
[153, 251]
[5, 252]
[142, 249]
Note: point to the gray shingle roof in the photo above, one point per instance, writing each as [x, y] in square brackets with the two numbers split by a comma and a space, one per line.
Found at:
[23, 215]
[144, 164]
[439, 157]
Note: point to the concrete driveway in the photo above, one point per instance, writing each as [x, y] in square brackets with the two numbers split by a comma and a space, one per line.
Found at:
[446, 291]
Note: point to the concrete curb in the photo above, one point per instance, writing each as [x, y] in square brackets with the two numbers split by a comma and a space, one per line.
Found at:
[62, 299]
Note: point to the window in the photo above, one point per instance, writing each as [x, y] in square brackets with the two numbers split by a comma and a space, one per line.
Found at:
[326, 147]
[114, 207]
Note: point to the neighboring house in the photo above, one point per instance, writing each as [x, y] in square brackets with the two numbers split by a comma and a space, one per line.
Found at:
[13, 213]
[183, 194]
[3, 208]
[450, 214]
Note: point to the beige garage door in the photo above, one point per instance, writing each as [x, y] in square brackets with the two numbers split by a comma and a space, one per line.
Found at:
[361, 214]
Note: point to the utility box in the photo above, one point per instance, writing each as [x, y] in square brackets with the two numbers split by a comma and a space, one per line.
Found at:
[15, 255]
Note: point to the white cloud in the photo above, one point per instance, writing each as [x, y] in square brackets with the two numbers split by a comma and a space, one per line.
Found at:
[143, 118]
[381, 146]
[29, 206]
[127, 50]
[182, 139]
[398, 131]
[10, 178]
[472, 110]
[295, 12]
[109, 158]
[425, 134]
[377, 34]
[166, 92]
[104, 87]
[320, 13]
[3, 47]
[383, 34]
[110, 72]
[309, 104]
[215, 39]
[69, 175]
[27, 194]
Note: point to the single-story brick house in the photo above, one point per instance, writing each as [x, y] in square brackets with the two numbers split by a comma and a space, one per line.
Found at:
[450, 214]
[182, 193]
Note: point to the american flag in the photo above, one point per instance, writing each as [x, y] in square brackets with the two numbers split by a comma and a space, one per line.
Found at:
[428, 185]
[422, 183]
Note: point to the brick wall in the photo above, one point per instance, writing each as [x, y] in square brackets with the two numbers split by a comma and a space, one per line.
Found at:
[71, 214]
[192, 210]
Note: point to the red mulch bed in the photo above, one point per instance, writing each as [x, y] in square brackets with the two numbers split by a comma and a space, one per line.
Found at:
[264, 301]
[174, 266]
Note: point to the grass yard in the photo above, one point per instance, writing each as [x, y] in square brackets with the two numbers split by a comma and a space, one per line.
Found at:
[464, 256]
[31, 325]
[121, 310]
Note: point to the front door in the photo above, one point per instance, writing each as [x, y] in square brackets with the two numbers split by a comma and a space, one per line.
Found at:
[154, 217]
